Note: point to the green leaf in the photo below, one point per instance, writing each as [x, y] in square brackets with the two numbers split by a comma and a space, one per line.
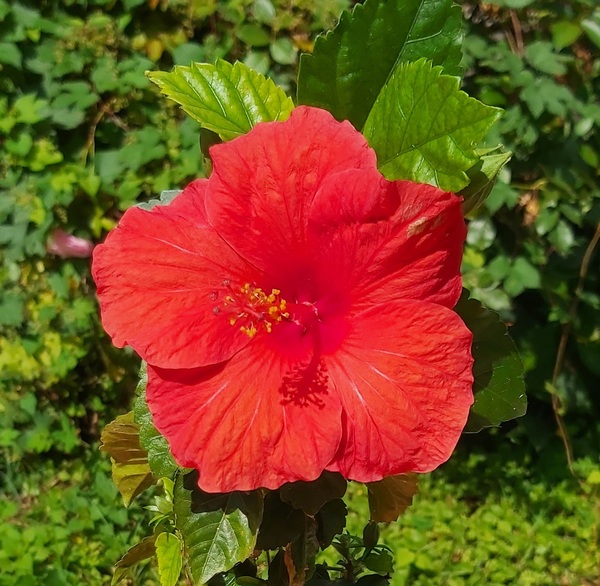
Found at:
[227, 99]
[390, 497]
[160, 459]
[130, 470]
[331, 520]
[498, 371]
[10, 54]
[219, 530]
[283, 51]
[482, 178]
[143, 550]
[542, 57]
[311, 496]
[436, 127]
[351, 64]
[380, 561]
[169, 557]
[299, 556]
[564, 33]
[253, 34]
[280, 524]
[591, 26]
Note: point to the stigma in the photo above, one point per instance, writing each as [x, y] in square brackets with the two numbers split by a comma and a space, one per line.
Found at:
[251, 309]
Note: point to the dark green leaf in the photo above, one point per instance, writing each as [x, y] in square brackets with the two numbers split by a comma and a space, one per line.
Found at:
[482, 178]
[390, 497]
[373, 580]
[278, 574]
[130, 469]
[331, 520]
[169, 557]
[351, 64]
[227, 99]
[498, 372]
[300, 555]
[436, 127]
[380, 561]
[281, 523]
[311, 496]
[143, 550]
[160, 458]
[219, 530]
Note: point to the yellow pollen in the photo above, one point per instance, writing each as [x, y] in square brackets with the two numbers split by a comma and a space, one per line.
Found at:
[253, 310]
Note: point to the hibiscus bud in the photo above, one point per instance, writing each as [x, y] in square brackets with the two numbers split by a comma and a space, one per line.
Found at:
[371, 535]
[68, 246]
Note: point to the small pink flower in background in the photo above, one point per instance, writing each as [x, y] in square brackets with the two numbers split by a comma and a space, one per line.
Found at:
[66, 245]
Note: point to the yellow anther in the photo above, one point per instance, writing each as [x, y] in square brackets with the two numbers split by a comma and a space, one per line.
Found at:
[249, 330]
[252, 309]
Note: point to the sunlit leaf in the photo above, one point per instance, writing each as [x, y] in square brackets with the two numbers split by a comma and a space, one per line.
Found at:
[130, 470]
[224, 98]
[169, 557]
[350, 65]
[160, 459]
[498, 371]
[436, 127]
[141, 551]
[219, 530]
[390, 497]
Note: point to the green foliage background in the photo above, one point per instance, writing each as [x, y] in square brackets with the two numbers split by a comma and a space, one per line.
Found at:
[84, 136]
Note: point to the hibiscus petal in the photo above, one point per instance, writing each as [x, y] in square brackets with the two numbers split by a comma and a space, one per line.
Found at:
[262, 419]
[388, 240]
[404, 379]
[263, 183]
[159, 277]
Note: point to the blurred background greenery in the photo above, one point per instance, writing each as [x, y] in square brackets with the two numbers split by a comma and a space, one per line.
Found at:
[84, 136]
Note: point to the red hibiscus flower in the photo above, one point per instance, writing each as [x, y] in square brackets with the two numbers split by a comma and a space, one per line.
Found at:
[295, 312]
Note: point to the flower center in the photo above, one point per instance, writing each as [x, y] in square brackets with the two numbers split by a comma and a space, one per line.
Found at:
[252, 309]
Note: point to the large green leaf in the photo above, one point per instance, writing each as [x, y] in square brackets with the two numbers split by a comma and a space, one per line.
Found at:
[169, 558]
[498, 371]
[130, 470]
[391, 496]
[224, 98]
[350, 65]
[160, 458]
[218, 530]
[435, 130]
